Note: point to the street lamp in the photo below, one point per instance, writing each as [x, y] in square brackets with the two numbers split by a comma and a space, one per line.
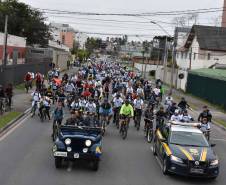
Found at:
[165, 55]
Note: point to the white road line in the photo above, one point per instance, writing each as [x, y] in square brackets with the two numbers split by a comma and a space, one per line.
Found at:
[11, 130]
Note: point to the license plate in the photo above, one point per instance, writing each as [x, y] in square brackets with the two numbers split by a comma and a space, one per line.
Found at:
[76, 155]
[196, 170]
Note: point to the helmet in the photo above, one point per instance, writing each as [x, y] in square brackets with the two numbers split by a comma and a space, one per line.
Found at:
[177, 111]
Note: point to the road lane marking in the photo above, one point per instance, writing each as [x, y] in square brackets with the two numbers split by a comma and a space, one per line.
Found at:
[13, 128]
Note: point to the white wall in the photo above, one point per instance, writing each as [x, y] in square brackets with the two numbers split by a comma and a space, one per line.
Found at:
[148, 67]
[60, 58]
[179, 84]
[13, 40]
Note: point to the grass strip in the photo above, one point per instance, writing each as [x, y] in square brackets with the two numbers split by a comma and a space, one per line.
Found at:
[5, 119]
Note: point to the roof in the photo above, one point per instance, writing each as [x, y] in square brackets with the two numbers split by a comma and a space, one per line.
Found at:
[218, 74]
[178, 128]
[209, 37]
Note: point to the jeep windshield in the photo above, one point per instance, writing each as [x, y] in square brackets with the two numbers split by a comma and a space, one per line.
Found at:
[188, 139]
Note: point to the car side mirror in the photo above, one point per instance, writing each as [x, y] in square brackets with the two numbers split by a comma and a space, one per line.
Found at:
[212, 145]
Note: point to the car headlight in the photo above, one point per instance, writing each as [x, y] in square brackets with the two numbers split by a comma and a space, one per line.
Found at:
[68, 141]
[176, 159]
[88, 143]
[214, 162]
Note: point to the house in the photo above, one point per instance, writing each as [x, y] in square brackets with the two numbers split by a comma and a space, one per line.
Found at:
[204, 47]
[63, 34]
[16, 49]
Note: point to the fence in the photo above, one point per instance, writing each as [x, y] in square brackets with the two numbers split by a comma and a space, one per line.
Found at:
[15, 73]
[210, 89]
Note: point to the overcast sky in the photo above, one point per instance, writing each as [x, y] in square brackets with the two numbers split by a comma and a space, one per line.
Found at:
[124, 6]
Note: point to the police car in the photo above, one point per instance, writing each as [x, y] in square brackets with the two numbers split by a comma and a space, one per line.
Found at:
[181, 148]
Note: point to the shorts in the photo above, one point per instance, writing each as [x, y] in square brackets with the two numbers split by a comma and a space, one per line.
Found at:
[106, 112]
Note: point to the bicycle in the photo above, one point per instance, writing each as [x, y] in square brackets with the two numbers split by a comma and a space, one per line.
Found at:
[56, 126]
[34, 108]
[117, 120]
[137, 119]
[104, 121]
[124, 127]
[149, 131]
[2, 106]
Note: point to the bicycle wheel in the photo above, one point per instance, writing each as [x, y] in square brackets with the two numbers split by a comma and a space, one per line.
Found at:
[103, 127]
[124, 135]
[138, 123]
[150, 135]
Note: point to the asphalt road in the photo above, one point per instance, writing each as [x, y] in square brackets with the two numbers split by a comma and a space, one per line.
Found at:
[26, 159]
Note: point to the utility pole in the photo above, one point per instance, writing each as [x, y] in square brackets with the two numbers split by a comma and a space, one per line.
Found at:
[5, 42]
[174, 53]
[190, 58]
[146, 61]
[165, 60]
[143, 63]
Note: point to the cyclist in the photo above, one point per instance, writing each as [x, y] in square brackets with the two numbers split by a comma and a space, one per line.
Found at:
[117, 103]
[91, 106]
[82, 103]
[169, 100]
[205, 114]
[106, 110]
[185, 117]
[140, 91]
[36, 96]
[2, 92]
[148, 116]
[160, 117]
[205, 125]
[47, 104]
[9, 94]
[58, 115]
[176, 116]
[127, 110]
[138, 104]
[183, 105]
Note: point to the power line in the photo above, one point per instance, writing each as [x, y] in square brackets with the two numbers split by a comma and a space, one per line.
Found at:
[207, 10]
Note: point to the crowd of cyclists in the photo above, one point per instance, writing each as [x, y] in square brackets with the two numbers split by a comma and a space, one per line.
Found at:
[104, 92]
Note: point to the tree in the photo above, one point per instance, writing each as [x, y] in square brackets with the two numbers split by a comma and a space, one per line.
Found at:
[75, 48]
[25, 22]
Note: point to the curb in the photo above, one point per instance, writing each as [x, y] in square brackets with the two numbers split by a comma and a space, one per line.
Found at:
[11, 123]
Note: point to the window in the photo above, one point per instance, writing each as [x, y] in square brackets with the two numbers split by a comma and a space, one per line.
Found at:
[63, 39]
[208, 56]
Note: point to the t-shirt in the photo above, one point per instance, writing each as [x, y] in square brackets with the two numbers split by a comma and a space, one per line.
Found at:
[138, 104]
[117, 102]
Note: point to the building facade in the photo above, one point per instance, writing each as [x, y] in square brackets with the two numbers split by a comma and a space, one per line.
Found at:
[16, 49]
[205, 47]
[63, 34]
